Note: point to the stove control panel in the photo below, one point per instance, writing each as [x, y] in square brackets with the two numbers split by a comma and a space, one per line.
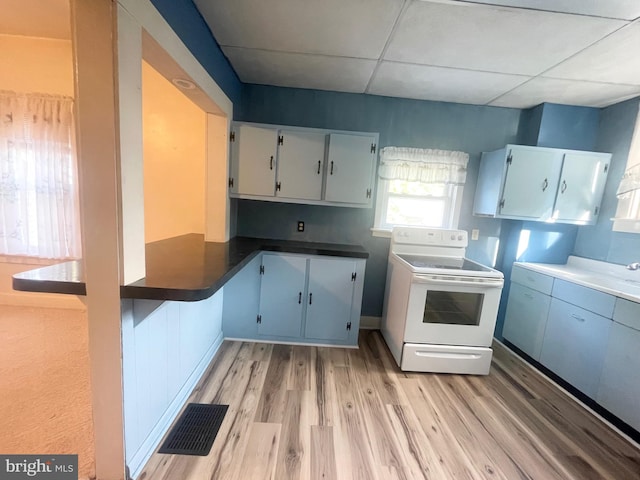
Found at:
[430, 236]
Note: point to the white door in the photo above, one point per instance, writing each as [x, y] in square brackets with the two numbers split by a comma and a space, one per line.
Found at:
[618, 392]
[581, 186]
[351, 161]
[526, 319]
[574, 345]
[530, 183]
[282, 295]
[300, 164]
[253, 160]
[330, 298]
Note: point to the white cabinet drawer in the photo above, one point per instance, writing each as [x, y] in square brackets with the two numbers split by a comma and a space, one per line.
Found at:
[575, 342]
[529, 278]
[627, 313]
[418, 357]
[587, 298]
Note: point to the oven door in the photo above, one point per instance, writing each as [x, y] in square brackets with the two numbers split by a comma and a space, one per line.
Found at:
[452, 310]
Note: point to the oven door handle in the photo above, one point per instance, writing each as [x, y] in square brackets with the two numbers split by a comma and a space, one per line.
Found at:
[463, 281]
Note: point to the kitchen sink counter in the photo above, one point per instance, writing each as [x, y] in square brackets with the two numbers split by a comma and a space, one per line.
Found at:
[605, 277]
[184, 268]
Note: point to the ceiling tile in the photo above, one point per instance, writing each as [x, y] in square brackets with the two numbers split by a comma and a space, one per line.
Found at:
[567, 92]
[622, 9]
[350, 28]
[614, 59]
[302, 71]
[497, 39]
[441, 84]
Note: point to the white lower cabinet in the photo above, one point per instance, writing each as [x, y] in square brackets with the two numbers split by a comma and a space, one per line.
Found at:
[574, 345]
[295, 298]
[589, 338]
[619, 390]
[526, 319]
[310, 299]
[281, 295]
[331, 289]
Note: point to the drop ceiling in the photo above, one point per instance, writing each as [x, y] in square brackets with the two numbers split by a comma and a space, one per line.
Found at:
[509, 53]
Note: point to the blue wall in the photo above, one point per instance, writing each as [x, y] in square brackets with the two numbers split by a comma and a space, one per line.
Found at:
[598, 241]
[566, 126]
[185, 19]
[400, 122]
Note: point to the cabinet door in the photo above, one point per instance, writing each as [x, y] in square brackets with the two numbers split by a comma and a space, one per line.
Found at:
[253, 160]
[618, 391]
[526, 319]
[282, 295]
[300, 164]
[574, 346]
[350, 168]
[530, 183]
[581, 187]
[242, 302]
[330, 298]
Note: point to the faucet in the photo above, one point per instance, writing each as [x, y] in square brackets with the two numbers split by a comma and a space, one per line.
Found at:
[633, 266]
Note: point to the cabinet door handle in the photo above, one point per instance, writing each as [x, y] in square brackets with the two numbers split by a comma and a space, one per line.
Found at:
[545, 184]
[271, 163]
[563, 187]
[331, 172]
[310, 298]
[319, 163]
[528, 295]
[299, 297]
[577, 317]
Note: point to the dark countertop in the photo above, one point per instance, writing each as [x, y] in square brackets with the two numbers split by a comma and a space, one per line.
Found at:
[184, 268]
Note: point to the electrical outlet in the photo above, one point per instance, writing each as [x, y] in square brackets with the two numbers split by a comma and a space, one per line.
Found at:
[300, 226]
[475, 233]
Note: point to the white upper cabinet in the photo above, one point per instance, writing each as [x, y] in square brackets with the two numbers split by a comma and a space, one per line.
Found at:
[253, 165]
[300, 164]
[351, 165]
[584, 175]
[530, 183]
[543, 184]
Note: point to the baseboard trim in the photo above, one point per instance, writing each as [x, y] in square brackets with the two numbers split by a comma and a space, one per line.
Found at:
[370, 323]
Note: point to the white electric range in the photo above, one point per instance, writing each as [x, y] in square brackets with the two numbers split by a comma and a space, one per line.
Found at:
[440, 308]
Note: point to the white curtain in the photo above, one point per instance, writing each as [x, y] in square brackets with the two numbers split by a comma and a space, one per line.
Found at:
[423, 165]
[39, 214]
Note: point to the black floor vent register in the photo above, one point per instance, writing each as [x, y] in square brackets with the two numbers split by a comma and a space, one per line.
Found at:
[195, 431]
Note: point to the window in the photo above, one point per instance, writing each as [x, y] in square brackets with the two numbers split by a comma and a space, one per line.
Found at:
[39, 213]
[419, 187]
[627, 217]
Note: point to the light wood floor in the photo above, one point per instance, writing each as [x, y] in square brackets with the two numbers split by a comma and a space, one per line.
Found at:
[328, 413]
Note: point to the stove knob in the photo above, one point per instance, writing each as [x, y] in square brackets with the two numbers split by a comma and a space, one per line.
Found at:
[453, 237]
[460, 237]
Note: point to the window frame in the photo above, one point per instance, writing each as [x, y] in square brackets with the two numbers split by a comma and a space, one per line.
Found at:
[624, 220]
[382, 229]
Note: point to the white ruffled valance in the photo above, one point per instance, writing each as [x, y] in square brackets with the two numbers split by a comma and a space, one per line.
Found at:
[423, 165]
